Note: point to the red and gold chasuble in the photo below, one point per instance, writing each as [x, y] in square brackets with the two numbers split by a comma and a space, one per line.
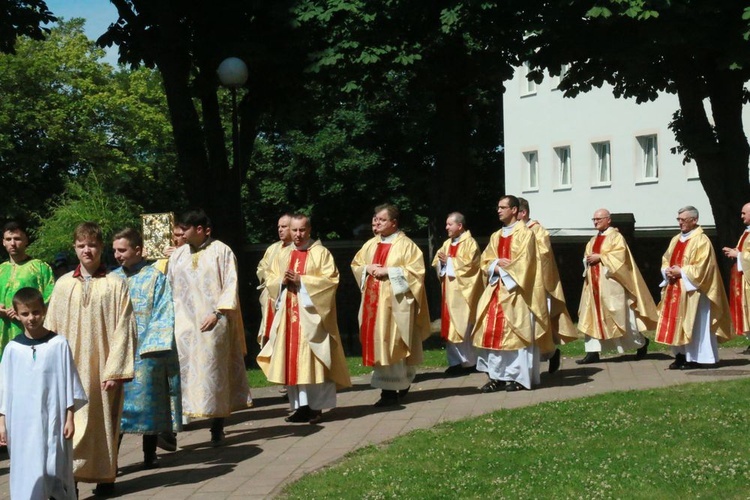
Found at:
[596, 271]
[270, 314]
[736, 293]
[672, 294]
[493, 332]
[296, 264]
[370, 308]
[445, 318]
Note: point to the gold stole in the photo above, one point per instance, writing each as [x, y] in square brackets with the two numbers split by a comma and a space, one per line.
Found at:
[445, 318]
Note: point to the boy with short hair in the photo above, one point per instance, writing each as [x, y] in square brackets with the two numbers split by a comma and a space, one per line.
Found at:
[39, 392]
[91, 307]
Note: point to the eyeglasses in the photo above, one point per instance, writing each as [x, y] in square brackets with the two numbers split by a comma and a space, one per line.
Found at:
[597, 219]
[680, 219]
[500, 207]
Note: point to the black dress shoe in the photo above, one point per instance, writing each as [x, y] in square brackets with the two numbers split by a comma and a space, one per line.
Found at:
[150, 461]
[554, 362]
[641, 352]
[167, 441]
[403, 392]
[679, 360]
[387, 398]
[301, 414]
[468, 370]
[591, 357]
[514, 386]
[104, 489]
[493, 386]
[316, 416]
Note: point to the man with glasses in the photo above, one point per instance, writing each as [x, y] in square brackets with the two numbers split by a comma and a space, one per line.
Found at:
[511, 318]
[615, 303]
[693, 308]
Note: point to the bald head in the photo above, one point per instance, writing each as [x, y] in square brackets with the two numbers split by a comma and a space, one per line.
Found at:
[745, 214]
[601, 219]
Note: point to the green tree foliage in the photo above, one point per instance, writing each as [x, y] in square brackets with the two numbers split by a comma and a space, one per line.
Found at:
[64, 114]
[84, 199]
[695, 49]
[22, 18]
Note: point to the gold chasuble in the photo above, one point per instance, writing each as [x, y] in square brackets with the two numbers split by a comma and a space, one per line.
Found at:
[678, 307]
[561, 324]
[266, 301]
[460, 293]
[95, 316]
[304, 346]
[392, 325]
[739, 287]
[504, 316]
[608, 285]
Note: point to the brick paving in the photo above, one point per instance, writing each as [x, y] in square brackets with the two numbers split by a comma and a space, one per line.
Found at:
[263, 453]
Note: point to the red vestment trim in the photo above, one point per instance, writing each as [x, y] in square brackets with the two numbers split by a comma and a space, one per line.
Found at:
[292, 337]
[671, 308]
[270, 314]
[595, 271]
[736, 293]
[445, 318]
[370, 307]
[493, 331]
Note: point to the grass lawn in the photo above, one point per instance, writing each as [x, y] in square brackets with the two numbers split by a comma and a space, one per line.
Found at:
[688, 441]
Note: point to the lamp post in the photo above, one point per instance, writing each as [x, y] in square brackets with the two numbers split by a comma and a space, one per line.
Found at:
[232, 74]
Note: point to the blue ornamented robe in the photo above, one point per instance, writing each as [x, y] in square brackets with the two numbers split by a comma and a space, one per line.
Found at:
[153, 400]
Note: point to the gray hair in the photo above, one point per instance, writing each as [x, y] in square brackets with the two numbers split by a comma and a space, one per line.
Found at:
[458, 217]
[691, 210]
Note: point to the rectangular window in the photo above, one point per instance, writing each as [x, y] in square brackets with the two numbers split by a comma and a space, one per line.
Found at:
[564, 174]
[531, 160]
[649, 157]
[527, 86]
[602, 163]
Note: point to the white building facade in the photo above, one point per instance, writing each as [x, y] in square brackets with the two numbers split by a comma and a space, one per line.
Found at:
[571, 156]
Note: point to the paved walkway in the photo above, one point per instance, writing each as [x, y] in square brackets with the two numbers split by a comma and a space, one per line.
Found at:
[263, 453]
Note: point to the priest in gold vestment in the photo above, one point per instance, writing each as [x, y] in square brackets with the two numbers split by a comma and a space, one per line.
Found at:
[694, 310]
[92, 309]
[208, 325]
[562, 328]
[615, 303]
[267, 302]
[304, 350]
[739, 284]
[512, 316]
[458, 264]
[393, 314]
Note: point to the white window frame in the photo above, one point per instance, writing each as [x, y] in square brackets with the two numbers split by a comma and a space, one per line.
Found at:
[602, 163]
[563, 71]
[531, 170]
[648, 157]
[528, 87]
[563, 163]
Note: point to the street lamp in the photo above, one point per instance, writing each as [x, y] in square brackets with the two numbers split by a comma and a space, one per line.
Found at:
[232, 74]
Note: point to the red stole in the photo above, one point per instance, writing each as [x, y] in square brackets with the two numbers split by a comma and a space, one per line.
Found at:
[292, 337]
[671, 300]
[270, 314]
[493, 331]
[736, 293]
[595, 271]
[445, 318]
[370, 307]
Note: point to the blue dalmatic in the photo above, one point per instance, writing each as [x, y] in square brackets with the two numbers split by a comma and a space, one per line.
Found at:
[153, 401]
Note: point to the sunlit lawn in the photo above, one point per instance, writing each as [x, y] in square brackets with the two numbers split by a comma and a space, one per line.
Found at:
[689, 441]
